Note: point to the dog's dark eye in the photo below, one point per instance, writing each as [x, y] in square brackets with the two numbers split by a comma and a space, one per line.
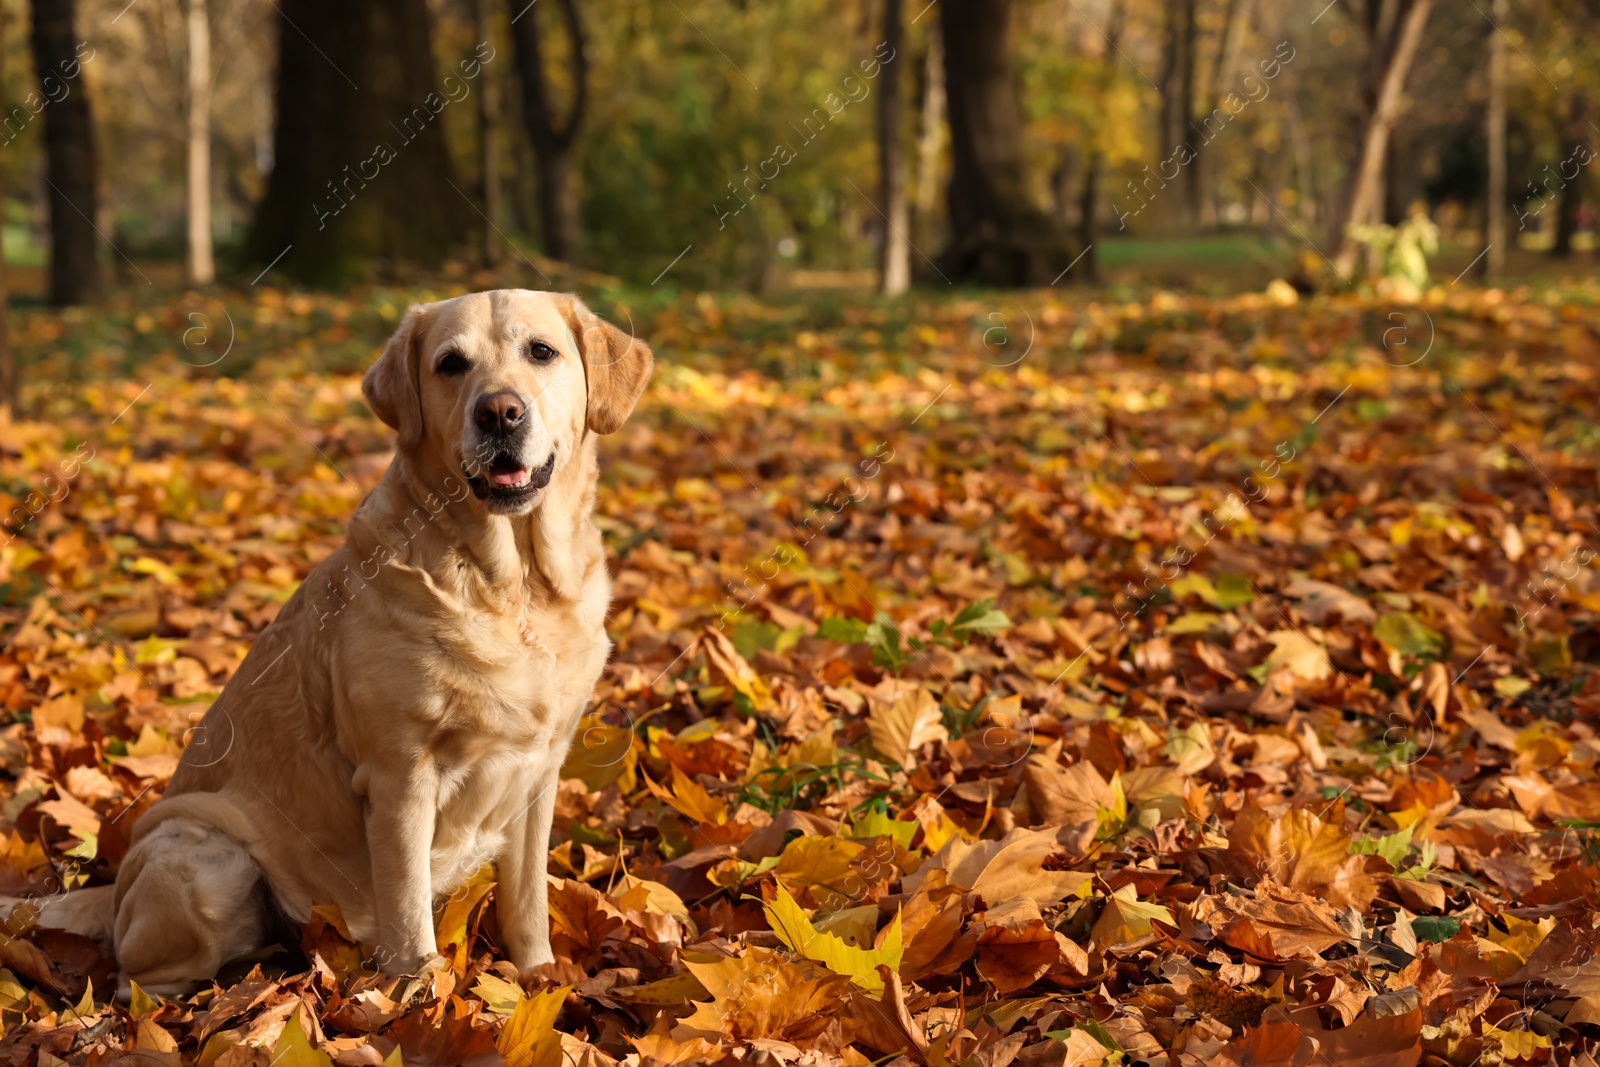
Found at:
[452, 364]
[540, 352]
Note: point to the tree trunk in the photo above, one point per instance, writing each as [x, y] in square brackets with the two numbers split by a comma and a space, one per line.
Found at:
[558, 201]
[894, 259]
[928, 139]
[360, 171]
[69, 155]
[1568, 214]
[1177, 106]
[1569, 204]
[201, 268]
[1088, 209]
[552, 139]
[488, 115]
[8, 360]
[999, 236]
[1494, 215]
[1366, 184]
[1236, 16]
[1094, 162]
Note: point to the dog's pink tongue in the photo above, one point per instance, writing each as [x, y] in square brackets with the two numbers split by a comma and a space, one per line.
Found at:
[513, 479]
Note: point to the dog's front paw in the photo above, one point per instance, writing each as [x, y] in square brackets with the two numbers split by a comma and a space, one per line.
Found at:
[532, 958]
[547, 975]
[429, 964]
[397, 964]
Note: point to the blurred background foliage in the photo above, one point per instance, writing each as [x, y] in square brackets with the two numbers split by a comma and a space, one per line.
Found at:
[687, 100]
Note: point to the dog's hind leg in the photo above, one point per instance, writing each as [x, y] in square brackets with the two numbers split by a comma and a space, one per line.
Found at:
[189, 899]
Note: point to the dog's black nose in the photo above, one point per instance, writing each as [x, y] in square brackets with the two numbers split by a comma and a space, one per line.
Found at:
[499, 412]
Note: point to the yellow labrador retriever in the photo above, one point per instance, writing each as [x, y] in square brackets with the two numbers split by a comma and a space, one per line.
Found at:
[403, 720]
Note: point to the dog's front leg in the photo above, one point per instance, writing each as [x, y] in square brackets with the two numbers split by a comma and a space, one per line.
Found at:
[400, 812]
[524, 900]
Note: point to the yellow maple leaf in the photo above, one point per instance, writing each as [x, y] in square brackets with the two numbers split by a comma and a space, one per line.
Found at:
[1127, 918]
[1516, 1044]
[641, 894]
[1507, 952]
[497, 994]
[691, 799]
[451, 929]
[1522, 936]
[788, 920]
[819, 869]
[529, 1038]
[762, 994]
[294, 1049]
[141, 1003]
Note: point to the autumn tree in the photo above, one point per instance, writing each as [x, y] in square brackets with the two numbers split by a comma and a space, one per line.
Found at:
[1393, 32]
[552, 137]
[998, 235]
[58, 58]
[361, 171]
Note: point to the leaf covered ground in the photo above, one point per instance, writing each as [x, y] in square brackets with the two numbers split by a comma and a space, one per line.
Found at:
[998, 681]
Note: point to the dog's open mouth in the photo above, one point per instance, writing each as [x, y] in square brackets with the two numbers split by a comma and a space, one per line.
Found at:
[504, 479]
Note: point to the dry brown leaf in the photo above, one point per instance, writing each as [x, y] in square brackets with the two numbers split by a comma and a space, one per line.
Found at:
[901, 728]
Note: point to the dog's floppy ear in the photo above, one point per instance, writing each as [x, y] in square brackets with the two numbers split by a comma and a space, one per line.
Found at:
[390, 385]
[616, 364]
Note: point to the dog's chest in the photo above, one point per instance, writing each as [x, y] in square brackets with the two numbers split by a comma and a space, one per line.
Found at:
[501, 738]
[483, 797]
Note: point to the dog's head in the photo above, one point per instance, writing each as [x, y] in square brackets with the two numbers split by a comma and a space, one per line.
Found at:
[503, 387]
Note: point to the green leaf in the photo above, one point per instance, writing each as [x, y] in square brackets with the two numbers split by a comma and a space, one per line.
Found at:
[1419, 872]
[840, 628]
[1392, 848]
[1099, 1033]
[1435, 927]
[1406, 634]
[884, 639]
[751, 636]
[981, 618]
[1233, 591]
[990, 622]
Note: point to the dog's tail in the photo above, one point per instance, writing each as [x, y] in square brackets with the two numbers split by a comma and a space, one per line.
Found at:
[90, 912]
